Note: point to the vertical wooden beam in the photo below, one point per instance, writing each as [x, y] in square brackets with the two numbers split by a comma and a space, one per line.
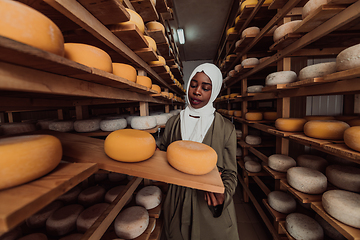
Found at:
[60, 114]
[82, 112]
[10, 117]
[349, 104]
[357, 104]
[2, 117]
[144, 109]
[228, 91]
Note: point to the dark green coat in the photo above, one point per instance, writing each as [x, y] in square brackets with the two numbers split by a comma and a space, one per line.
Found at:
[186, 213]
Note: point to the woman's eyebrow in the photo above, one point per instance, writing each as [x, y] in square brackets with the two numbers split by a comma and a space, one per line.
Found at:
[207, 83]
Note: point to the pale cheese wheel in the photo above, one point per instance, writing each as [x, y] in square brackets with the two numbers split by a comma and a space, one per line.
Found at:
[109, 125]
[237, 113]
[307, 180]
[152, 43]
[112, 194]
[125, 71]
[285, 29]
[238, 152]
[230, 112]
[89, 56]
[71, 195]
[255, 88]
[131, 222]
[281, 77]
[88, 217]
[301, 226]
[26, 158]
[136, 19]
[290, 124]
[87, 125]
[250, 62]
[352, 138]
[63, 220]
[251, 31]
[73, 236]
[237, 44]
[154, 25]
[270, 116]
[38, 220]
[16, 128]
[312, 161]
[317, 70]
[161, 119]
[91, 196]
[129, 118]
[253, 140]
[343, 206]
[34, 236]
[329, 230]
[254, 116]
[325, 129]
[348, 58]
[156, 88]
[144, 81]
[253, 166]
[191, 157]
[44, 124]
[149, 197]
[281, 202]
[318, 117]
[281, 162]
[232, 73]
[62, 126]
[35, 29]
[311, 6]
[238, 133]
[344, 177]
[143, 122]
[129, 145]
[116, 177]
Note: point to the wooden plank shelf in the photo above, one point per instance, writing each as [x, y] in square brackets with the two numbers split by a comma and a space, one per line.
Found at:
[157, 35]
[263, 12]
[278, 216]
[302, 138]
[275, 174]
[341, 149]
[146, 54]
[262, 44]
[281, 133]
[263, 144]
[251, 174]
[302, 197]
[263, 127]
[104, 134]
[285, 41]
[259, 154]
[130, 35]
[159, 68]
[274, 88]
[165, 51]
[343, 75]
[283, 227]
[306, 82]
[19, 203]
[146, 9]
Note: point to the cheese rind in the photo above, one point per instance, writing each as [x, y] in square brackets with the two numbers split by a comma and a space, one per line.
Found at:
[281, 162]
[348, 58]
[281, 202]
[149, 197]
[250, 62]
[290, 124]
[317, 70]
[143, 122]
[125, 71]
[253, 166]
[144, 81]
[254, 116]
[112, 194]
[154, 25]
[109, 125]
[255, 88]
[285, 29]
[131, 222]
[281, 77]
[152, 43]
[325, 129]
[344, 177]
[307, 180]
[91, 196]
[16, 127]
[87, 125]
[311, 6]
[156, 88]
[88, 217]
[352, 138]
[312, 161]
[253, 140]
[301, 226]
[38, 219]
[62, 126]
[136, 19]
[251, 31]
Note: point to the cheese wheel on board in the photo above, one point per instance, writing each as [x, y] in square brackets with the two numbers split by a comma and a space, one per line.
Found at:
[238, 133]
[156, 88]
[290, 124]
[136, 19]
[318, 117]
[233, 95]
[71, 195]
[267, 2]
[254, 116]
[230, 112]
[325, 129]
[88, 217]
[144, 81]
[161, 119]
[152, 43]
[301, 226]
[253, 140]
[281, 202]
[38, 220]
[16, 128]
[311, 6]
[317, 70]
[307, 180]
[87, 125]
[191, 157]
[354, 122]
[329, 230]
[253, 166]
[161, 61]
[125, 71]
[285, 29]
[281, 162]
[232, 73]
[352, 138]
[238, 152]
[154, 25]
[348, 58]
[251, 31]
[131, 222]
[149, 197]
[129, 118]
[129, 145]
[312, 161]
[143, 122]
[34, 236]
[344, 177]
[237, 44]
[270, 116]
[250, 62]
[112, 194]
[237, 113]
[110, 125]
[91, 196]
[35, 29]
[231, 30]
[72, 236]
[247, 3]
[343, 206]
[89, 56]
[281, 77]
[26, 158]
[62, 126]
[255, 88]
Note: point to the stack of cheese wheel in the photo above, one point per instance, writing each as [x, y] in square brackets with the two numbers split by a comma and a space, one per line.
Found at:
[62, 126]
[151, 42]
[271, 116]
[311, 6]
[131, 222]
[348, 58]
[129, 145]
[161, 61]
[136, 19]
[26, 158]
[325, 129]
[344, 177]
[38, 220]
[154, 25]
[281, 162]
[88, 217]
[113, 124]
[91, 196]
[255, 88]
[144, 81]
[285, 29]
[312, 161]
[87, 125]
[281, 77]
[88, 55]
[125, 71]
[143, 122]
[35, 29]
[307, 180]
[317, 70]
[191, 157]
[250, 62]
[254, 116]
[251, 31]
[281, 202]
[290, 124]
[301, 226]
[149, 197]
[352, 138]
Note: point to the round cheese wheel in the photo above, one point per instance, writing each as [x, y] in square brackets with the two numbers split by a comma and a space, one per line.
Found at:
[312, 161]
[71, 195]
[237, 113]
[131, 222]
[129, 118]
[247, 3]
[307, 180]
[325, 129]
[250, 62]
[311, 6]
[156, 88]
[231, 30]
[344, 177]
[152, 43]
[161, 119]
[143, 122]
[343, 206]
[44, 124]
[254, 116]
[233, 95]
[251, 31]
[62, 126]
[318, 117]
[290, 124]
[91, 196]
[35, 29]
[281, 162]
[253, 140]
[354, 122]
[352, 138]
[88, 55]
[317, 70]
[281, 202]
[238, 68]
[34, 236]
[230, 112]
[129, 145]
[285, 29]
[38, 220]
[161, 61]
[238, 152]
[136, 19]
[109, 125]
[149, 197]
[144, 80]
[26, 158]
[116, 177]
[63, 220]
[73, 236]
[253, 166]
[125, 71]
[88, 217]
[232, 73]
[238, 133]
[270, 116]
[112, 194]
[348, 58]
[16, 128]
[87, 125]
[329, 230]
[255, 88]
[301, 226]
[282, 77]
[191, 157]
[154, 25]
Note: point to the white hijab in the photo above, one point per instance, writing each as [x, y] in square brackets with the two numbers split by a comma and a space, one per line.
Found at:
[195, 129]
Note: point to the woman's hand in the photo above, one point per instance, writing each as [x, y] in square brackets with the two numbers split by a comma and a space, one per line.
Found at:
[214, 199]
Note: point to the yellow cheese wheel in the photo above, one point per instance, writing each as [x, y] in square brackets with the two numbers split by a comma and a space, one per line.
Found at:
[152, 43]
[237, 113]
[161, 61]
[191, 157]
[88, 55]
[168, 69]
[171, 95]
[318, 117]
[154, 25]
[156, 88]
[325, 129]
[166, 94]
[26, 25]
[231, 30]
[230, 112]
[254, 116]
[290, 124]
[246, 3]
[352, 138]
[125, 71]
[144, 80]
[129, 145]
[25, 158]
[136, 19]
[233, 95]
[271, 116]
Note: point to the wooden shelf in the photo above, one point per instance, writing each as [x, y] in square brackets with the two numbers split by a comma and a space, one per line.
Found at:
[146, 54]
[281, 133]
[278, 216]
[251, 174]
[263, 144]
[302, 197]
[275, 174]
[104, 134]
[283, 226]
[158, 36]
[146, 9]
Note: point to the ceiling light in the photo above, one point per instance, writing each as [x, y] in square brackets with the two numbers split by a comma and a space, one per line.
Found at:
[181, 36]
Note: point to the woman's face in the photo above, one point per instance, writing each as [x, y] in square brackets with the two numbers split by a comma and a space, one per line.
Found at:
[200, 90]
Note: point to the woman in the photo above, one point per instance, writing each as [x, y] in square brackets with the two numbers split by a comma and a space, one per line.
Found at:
[190, 213]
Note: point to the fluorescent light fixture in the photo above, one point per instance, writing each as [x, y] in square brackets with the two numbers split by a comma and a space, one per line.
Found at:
[181, 36]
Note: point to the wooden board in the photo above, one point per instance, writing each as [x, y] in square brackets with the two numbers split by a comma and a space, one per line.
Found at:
[343, 75]
[251, 174]
[19, 203]
[85, 149]
[156, 234]
[146, 9]
[303, 197]
[157, 35]
[274, 88]
[130, 35]
[306, 82]
[275, 174]
[146, 54]
[300, 137]
[282, 225]
[343, 150]
[158, 68]
[281, 133]
[285, 41]
[278, 216]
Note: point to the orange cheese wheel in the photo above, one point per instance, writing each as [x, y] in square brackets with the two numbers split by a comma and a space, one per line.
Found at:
[154, 25]
[191, 157]
[26, 158]
[144, 80]
[136, 19]
[254, 116]
[290, 124]
[325, 129]
[318, 117]
[231, 30]
[246, 3]
[129, 145]
[271, 116]
[352, 138]
[171, 95]
[24, 24]
[88, 55]
[161, 61]
[156, 88]
[152, 43]
[237, 113]
[125, 71]
[230, 112]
